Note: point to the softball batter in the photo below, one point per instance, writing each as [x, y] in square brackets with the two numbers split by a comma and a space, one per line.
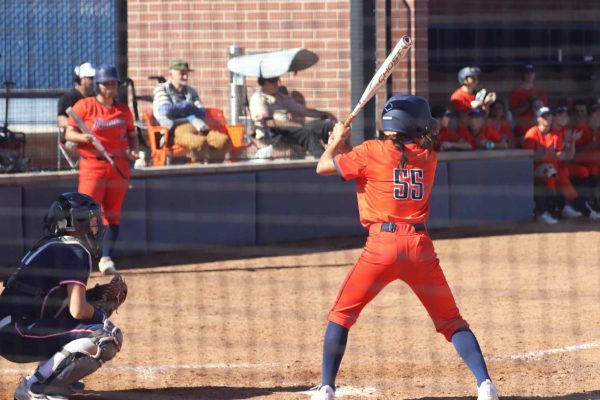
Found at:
[112, 124]
[394, 180]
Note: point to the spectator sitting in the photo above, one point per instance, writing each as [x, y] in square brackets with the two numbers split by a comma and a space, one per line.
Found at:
[587, 153]
[552, 173]
[580, 115]
[446, 137]
[480, 135]
[273, 114]
[177, 106]
[522, 99]
[497, 120]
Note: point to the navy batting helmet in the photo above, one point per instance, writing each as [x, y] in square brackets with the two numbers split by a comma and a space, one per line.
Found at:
[105, 73]
[79, 215]
[464, 73]
[409, 115]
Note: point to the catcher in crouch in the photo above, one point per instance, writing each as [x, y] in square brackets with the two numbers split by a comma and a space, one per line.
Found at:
[45, 312]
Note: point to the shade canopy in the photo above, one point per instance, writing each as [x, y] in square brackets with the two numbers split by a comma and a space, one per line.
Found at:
[273, 64]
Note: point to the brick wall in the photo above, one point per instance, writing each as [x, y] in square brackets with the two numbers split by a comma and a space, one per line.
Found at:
[202, 30]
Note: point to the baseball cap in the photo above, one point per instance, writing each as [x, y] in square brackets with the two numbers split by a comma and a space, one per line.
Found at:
[476, 112]
[593, 108]
[561, 109]
[527, 68]
[85, 70]
[542, 111]
[180, 65]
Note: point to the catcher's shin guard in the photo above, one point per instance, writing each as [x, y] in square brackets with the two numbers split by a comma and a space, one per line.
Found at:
[80, 358]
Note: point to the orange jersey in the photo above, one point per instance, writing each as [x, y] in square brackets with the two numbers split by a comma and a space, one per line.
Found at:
[385, 191]
[461, 101]
[505, 129]
[445, 134]
[588, 136]
[109, 124]
[486, 133]
[519, 96]
[550, 142]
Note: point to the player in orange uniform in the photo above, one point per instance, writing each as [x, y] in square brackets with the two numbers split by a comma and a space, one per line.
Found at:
[394, 179]
[522, 98]
[447, 138]
[497, 120]
[479, 135]
[587, 152]
[468, 79]
[112, 124]
[552, 172]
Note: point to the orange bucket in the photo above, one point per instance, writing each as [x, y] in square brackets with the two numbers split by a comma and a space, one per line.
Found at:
[236, 134]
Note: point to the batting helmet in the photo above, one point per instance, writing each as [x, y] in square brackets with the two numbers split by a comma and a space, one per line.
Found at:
[409, 115]
[79, 215]
[466, 72]
[105, 73]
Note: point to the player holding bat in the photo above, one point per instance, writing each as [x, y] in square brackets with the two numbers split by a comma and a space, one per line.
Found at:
[103, 177]
[394, 178]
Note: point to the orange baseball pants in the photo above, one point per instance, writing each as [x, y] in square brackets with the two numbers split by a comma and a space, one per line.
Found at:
[407, 255]
[100, 180]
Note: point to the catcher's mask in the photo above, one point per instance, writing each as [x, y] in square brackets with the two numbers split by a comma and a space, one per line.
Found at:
[408, 115]
[78, 215]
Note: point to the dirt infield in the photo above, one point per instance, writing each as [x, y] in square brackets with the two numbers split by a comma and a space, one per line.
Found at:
[252, 328]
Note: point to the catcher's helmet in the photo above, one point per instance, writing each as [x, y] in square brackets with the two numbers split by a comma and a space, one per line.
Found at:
[466, 72]
[409, 115]
[105, 73]
[79, 215]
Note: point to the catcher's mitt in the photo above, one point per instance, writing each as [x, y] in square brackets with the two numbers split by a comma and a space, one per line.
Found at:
[108, 296]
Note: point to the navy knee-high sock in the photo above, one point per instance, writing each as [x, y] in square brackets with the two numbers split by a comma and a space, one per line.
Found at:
[334, 346]
[108, 244]
[467, 347]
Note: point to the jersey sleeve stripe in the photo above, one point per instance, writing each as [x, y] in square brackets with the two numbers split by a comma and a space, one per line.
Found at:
[337, 168]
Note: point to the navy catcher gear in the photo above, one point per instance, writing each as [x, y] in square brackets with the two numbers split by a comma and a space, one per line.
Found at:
[466, 72]
[79, 215]
[409, 115]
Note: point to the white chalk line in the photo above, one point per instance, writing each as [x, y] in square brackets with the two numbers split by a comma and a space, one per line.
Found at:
[153, 369]
[542, 353]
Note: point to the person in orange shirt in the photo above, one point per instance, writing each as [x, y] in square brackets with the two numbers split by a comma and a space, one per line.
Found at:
[587, 153]
[468, 79]
[522, 98]
[497, 120]
[551, 172]
[112, 124]
[560, 125]
[447, 139]
[479, 135]
[394, 178]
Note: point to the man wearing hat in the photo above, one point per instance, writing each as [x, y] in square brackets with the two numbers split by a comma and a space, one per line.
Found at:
[83, 86]
[522, 98]
[177, 106]
[479, 135]
[551, 172]
[447, 138]
[276, 114]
